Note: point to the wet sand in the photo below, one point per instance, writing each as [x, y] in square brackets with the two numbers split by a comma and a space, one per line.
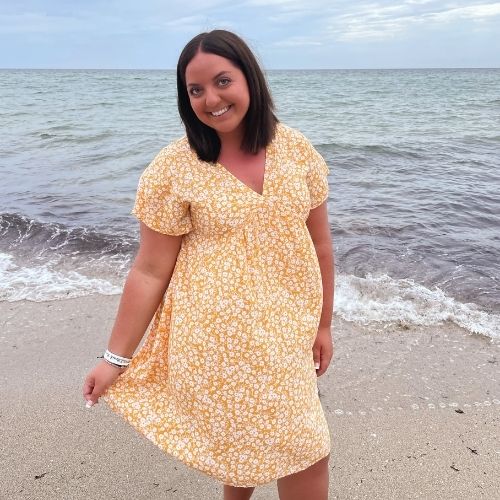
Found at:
[413, 413]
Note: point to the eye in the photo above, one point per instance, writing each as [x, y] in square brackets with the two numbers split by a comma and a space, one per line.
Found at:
[194, 91]
[224, 82]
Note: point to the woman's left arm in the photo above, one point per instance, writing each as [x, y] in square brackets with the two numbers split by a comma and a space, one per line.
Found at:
[319, 229]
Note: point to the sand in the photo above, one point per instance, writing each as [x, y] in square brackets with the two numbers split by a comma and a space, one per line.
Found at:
[413, 413]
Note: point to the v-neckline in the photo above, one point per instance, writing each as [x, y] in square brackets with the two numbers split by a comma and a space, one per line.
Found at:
[267, 163]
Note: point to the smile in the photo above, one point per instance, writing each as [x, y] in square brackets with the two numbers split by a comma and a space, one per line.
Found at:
[221, 111]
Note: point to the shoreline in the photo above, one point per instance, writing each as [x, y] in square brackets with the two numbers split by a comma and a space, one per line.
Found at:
[414, 412]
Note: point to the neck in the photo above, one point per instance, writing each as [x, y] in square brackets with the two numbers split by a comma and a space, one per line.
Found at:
[231, 142]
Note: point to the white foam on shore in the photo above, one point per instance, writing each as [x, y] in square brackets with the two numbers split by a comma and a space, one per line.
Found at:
[40, 283]
[384, 299]
[362, 300]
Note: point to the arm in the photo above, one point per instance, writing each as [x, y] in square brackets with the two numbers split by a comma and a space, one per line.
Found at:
[146, 284]
[144, 288]
[319, 229]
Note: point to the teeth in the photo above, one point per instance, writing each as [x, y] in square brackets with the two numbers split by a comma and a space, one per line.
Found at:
[220, 112]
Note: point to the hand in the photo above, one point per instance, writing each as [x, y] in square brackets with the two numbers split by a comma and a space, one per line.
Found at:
[323, 349]
[98, 380]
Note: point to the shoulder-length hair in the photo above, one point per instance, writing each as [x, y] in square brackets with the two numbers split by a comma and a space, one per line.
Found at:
[259, 121]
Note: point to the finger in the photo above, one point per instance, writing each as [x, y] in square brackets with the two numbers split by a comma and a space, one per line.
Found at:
[88, 387]
[325, 358]
[325, 362]
[92, 396]
[317, 358]
[322, 369]
[91, 400]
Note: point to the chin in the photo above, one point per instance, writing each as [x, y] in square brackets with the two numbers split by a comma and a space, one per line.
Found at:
[228, 129]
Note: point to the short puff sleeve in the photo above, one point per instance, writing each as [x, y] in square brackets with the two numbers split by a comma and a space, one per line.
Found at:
[158, 203]
[317, 177]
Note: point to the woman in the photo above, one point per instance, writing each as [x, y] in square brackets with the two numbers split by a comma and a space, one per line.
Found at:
[235, 264]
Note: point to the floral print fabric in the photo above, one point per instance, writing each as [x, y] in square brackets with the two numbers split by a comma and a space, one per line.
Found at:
[225, 380]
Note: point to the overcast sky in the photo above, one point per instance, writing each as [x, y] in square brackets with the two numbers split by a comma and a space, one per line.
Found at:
[147, 34]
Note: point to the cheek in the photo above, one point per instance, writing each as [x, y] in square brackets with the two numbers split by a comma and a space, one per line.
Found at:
[196, 107]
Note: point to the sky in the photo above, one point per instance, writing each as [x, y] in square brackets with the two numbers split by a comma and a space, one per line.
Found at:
[285, 34]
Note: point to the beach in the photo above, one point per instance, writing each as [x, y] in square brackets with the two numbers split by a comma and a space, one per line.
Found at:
[413, 411]
[412, 396]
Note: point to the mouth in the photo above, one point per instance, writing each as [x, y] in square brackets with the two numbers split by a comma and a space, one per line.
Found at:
[220, 112]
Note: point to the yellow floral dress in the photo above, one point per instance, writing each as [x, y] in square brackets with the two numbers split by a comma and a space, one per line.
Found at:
[225, 380]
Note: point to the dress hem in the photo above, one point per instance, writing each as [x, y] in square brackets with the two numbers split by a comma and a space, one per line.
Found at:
[208, 472]
[294, 470]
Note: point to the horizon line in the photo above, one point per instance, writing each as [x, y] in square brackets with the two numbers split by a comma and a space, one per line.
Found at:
[264, 69]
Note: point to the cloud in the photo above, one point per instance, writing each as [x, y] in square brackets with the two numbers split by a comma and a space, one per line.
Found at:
[373, 21]
[186, 23]
[298, 41]
[278, 3]
[473, 12]
[33, 22]
[111, 17]
[295, 20]
[286, 32]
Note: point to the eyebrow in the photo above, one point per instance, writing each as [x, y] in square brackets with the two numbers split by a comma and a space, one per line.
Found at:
[218, 75]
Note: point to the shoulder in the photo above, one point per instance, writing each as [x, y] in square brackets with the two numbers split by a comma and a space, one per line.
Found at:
[286, 133]
[294, 141]
[173, 159]
[176, 152]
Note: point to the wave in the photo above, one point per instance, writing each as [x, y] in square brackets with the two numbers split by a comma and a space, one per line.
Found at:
[18, 231]
[370, 150]
[71, 138]
[382, 299]
[41, 283]
[372, 299]
[397, 230]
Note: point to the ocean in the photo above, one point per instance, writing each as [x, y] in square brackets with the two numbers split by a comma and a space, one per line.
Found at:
[414, 159]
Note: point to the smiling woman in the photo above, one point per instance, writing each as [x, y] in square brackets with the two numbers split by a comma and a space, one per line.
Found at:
[218, 93]
[236, 266]
[231, 54]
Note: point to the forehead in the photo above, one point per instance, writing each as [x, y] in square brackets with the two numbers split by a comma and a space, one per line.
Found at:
[204, 67]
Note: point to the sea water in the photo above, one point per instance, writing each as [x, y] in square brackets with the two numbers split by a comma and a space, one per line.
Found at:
[414, 204]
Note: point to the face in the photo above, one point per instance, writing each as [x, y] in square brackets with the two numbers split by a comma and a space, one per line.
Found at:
[218, 93]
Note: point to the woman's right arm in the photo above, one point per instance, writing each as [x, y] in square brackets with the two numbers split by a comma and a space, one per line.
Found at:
[144, 289]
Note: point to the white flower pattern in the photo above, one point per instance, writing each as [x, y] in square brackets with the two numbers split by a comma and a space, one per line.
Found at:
[225, 380]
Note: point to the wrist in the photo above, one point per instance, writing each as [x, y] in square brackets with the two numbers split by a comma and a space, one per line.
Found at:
[116, 367]
[115, 360]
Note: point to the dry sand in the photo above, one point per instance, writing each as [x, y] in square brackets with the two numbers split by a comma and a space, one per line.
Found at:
[413, 413]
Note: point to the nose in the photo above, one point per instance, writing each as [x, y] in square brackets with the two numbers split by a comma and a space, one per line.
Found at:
[211, 98]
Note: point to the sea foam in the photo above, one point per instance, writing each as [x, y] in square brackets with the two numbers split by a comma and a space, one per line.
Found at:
[385, 299]
[40, 283]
